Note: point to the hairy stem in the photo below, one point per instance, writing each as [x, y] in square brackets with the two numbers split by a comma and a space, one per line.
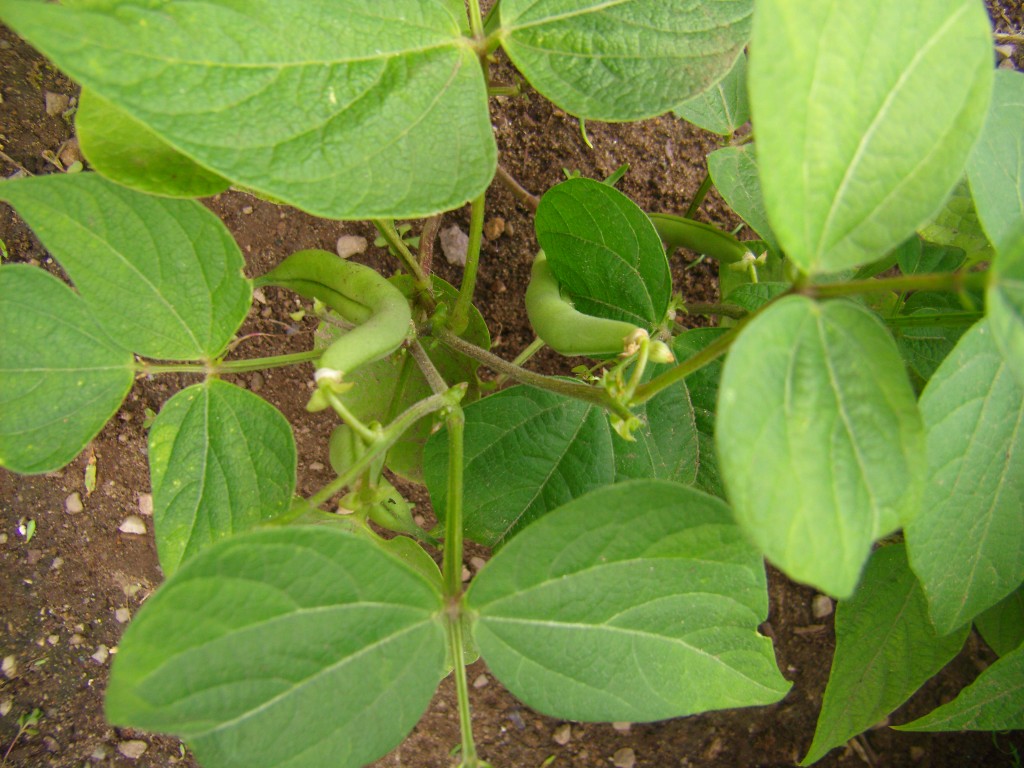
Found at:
[214, 368]
[386, 227]
[532, 349]
[460, 312]
[939, 281]
[524, 196]
[476, 19]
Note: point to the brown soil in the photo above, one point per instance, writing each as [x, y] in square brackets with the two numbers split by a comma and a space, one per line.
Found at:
[60, 592]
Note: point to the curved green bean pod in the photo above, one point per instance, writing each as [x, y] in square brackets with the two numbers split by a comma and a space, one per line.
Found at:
[680, 232]
[316, 274]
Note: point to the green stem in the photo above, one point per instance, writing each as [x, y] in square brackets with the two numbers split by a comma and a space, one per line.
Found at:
[229, 366]
[712, 308]
[503, 90]
[532, 349]
[368, 435]
[938, 320]
[386, 227]
[698, 199]
[387, 437]
[939, 281]
[575, 389]
[476, 19]
[427, 367]
[460, 312]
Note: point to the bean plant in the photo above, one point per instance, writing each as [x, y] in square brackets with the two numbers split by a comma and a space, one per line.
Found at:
[853, 415]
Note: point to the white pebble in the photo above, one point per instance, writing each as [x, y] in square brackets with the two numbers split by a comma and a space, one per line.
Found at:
[73, 503]
[146, 504]
[624, 758]
[9, 667]
[5, 706]
[482, 681]
[562, 734]
[622, 727]
[132, 524]
[133, 749]
[101, 655]
[821, 606]
[455, 245]
[123, 615]
[350, 245]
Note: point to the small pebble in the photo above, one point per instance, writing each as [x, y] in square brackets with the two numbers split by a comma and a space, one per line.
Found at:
[454, 245]
[466, 574]
[133, 749]
[247, 210]
[56, 103]
[101, 655]
[76, 639]
[6, 705]
[98, 754]
[146, 504]
[3, 538]
[9, 667]
[53, 639]
[477, 562]
[821, 606]
[33, 556]
[494, 228]
[73, 503]
[482, 681]
[316, 466]
[256, 381]
[57, 563]
[624, 758]
[916, 754]
[622, 727]
[123, 615]
[562, 734]
[350, 245]
[70, 153]
[259, 295]
[51, 744]
[132, 524]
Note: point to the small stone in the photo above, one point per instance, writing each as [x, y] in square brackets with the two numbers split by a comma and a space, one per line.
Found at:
[494, 228]
[133, 749]
[3, 538]
[6, 705]
[482, 681]
[132, 524]
[247, 209]
[1005, 51]
[70, 153]
[420, 520]
[123, 615]
[466, 574]
[146, 504]
[454, 244]
[349, 245]
[624, 758]
[917, 754]
[56, 103]
[256, 381]
[562, 734]
[51, 744]
[477, 562]
[259, 295]
[76, 639]
[266, 312]
[53, 639]
[73, 503]
[316, 466]
[498, 286]
[9, 667]
[821, 606]
[99, 754]
[1007, 64]
[57, 563]
[101, 655]
[622, 727]
[33, 556]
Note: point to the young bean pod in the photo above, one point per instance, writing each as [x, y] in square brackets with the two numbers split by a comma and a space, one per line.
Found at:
[680, 232]
[564, 328]
[315, 274]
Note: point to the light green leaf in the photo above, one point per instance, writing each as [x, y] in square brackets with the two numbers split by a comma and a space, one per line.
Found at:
[605, 252]
[61, 377]
[734, 172]
[1004, 304]
[886, 648]
[527, 451]
[1002, 625]
[723, 108]
[222, 460]
[996, 167]
[956, 224]
[163, 277]
[636, 602]
[967, 545]
[819, 439]
[351, 110]
[993, 702]
[273, 649]
[126, 151]
[860, 140]
[623, 59]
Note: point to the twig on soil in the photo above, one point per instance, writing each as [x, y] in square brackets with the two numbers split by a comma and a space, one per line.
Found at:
[15, 163]
[530, 200]
[1013, 39]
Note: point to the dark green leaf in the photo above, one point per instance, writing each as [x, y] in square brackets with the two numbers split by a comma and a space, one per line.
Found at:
[1002, 625]
[918, 257]
[1005, 306]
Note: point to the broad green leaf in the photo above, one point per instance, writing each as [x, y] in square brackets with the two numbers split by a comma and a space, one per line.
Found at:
[385, 388]
[304, 647]
[753, 296]
[61, 377]
[886, 648]
[163, 277]
[819, 438]
[734, 172]
[636, 602]
[1004, 304]
[126, 151]
[723, 108]
[626, 59]
[923, 348]
[996, 167]
[351, 110]
[605, 252]
[1002, 625]
[859, 141]
[967, 545]
[703, 388]
[993, 702]
[956, 224]
[918, 257]
[222, 460]
[526, 452]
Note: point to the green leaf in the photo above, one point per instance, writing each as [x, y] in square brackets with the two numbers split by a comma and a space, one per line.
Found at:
[923, 348]
[385, 388]
[636, 602]
[859, 141]
[605, 252]
[527, 451]
[222, 460]
[734, 172]
[819, 438]
[996, 167]
[1002, 625]
[967, 545]
[623, 60]
[348, 110]
[126, 151]
[1004, 304]
[916, 257]
[956, 224]
[61, 377]
[723, 108]
[273, 649]
[163, 277]
[753, 296]
[993, 702]
[703, 389]
[886, 648]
